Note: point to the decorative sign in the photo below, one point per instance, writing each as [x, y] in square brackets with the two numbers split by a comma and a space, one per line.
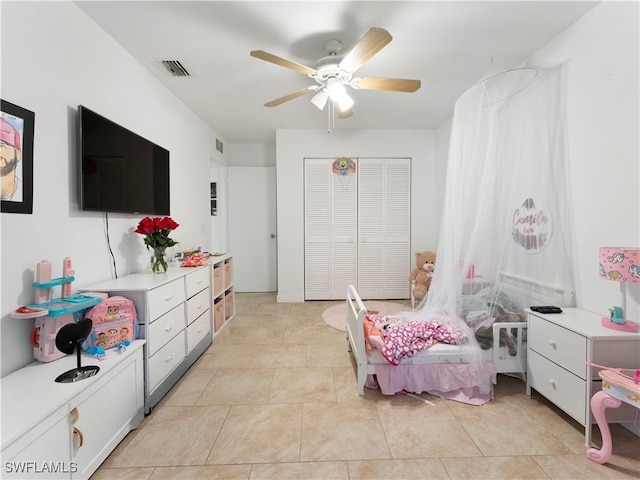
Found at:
[343, 166]
[532, 226]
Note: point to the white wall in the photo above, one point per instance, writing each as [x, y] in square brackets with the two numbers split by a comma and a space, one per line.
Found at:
[251, 154]
[603, 117]
[55, 58]
[292, 146]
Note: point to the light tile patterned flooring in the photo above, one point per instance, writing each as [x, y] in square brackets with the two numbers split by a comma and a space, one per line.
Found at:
[274, 397]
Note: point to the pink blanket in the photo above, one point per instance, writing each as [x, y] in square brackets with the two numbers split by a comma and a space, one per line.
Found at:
[404, 339]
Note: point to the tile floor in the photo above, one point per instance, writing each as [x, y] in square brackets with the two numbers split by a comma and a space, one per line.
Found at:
[274, 397]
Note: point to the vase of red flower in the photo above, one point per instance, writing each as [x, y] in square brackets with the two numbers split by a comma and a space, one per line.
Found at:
[156, 237]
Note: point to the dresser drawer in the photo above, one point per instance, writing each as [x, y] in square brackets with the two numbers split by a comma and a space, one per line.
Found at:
[165, 360]
[197, 305]
[165, 297]
[165, 328]
[564, 389]
[560, 345]
[197, 281]
[198, 330]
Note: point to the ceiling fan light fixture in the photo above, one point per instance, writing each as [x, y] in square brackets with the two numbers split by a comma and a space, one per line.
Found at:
[320, 98]
[339, 95]
[345, 102]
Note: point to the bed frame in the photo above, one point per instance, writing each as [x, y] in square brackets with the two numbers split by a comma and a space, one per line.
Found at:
[524, 291]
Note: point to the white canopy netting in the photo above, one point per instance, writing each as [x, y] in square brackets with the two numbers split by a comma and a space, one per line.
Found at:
[506, 216]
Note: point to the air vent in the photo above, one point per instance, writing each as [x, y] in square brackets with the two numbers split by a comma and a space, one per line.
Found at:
[176, 68]
[219, 146]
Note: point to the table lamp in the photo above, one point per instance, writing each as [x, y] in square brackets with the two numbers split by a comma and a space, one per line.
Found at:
[620, 264]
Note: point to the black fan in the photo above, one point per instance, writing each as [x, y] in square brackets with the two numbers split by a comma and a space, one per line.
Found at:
[70, 338]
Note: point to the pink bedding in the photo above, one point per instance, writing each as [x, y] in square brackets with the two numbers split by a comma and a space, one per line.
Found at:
[414, 358]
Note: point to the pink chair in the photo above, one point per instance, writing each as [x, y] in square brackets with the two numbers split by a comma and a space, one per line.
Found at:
[616, 388]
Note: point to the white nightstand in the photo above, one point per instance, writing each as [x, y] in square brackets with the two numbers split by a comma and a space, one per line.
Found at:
[559, 347]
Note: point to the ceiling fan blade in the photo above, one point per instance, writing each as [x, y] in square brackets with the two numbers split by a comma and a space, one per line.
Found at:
[268, 57]
[291, 96]
[391, 84]
[372, 42]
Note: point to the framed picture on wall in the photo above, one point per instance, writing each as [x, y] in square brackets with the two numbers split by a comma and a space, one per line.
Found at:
[16, 158]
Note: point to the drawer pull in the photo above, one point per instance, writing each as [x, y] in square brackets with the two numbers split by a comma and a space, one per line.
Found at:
[78, 438]
[199, 330]
[553, 343]
[552, 382]
[198, 306]
[168, 297]
[170, 357]
[199, 282]
[74, 415]
[169, 327]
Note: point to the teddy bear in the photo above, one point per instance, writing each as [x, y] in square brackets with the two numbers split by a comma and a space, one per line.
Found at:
[422, 274]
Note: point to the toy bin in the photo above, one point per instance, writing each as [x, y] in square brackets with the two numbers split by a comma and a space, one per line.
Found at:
[217, 279]
[227, 274]
[228, 308]
[218, 314]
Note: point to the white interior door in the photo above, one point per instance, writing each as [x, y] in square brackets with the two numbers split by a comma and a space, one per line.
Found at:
[330, 231]
[384, 219]
[252, 227]
[357, 229]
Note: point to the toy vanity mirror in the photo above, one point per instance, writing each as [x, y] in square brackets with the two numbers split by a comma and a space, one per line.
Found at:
[70, 338]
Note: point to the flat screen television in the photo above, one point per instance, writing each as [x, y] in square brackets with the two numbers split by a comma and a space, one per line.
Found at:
[121, 171]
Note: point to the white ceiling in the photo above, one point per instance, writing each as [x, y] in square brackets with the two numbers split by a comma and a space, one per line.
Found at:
[448, 45]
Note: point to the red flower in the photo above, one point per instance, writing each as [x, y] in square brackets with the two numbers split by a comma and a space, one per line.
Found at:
[156, 232]
[145, 226]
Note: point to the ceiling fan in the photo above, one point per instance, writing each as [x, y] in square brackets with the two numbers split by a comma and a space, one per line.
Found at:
[333, 73]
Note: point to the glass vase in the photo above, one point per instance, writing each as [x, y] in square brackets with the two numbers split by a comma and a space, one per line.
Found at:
[159, 260]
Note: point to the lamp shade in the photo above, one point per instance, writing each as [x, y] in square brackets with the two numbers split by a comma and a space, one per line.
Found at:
[620, 264]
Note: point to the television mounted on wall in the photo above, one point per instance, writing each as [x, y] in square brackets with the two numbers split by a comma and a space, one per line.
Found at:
[120, 171]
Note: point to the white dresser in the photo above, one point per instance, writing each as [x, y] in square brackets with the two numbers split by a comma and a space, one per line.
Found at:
[559, 347]
[66, 430]
[174, 316]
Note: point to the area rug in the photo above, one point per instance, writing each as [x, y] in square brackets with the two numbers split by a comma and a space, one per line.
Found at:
[335, 316]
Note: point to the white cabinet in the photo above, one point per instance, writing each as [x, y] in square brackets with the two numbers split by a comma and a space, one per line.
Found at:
[41, 418]
[223, 297]
[357, 228]
[174, 316]
[559, 347]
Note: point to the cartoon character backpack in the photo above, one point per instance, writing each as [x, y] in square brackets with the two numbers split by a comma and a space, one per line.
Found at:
[114, 322]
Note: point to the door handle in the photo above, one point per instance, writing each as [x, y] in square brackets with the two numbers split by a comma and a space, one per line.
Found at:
[273, 235]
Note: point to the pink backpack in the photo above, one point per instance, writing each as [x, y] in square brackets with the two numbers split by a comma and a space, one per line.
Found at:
[114, 322]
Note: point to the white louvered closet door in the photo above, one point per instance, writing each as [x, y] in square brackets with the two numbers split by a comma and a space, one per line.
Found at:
[384, 219]
[330, 231]
[357, 229]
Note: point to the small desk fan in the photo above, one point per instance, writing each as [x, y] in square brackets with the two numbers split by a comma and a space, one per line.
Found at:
[70, 337]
